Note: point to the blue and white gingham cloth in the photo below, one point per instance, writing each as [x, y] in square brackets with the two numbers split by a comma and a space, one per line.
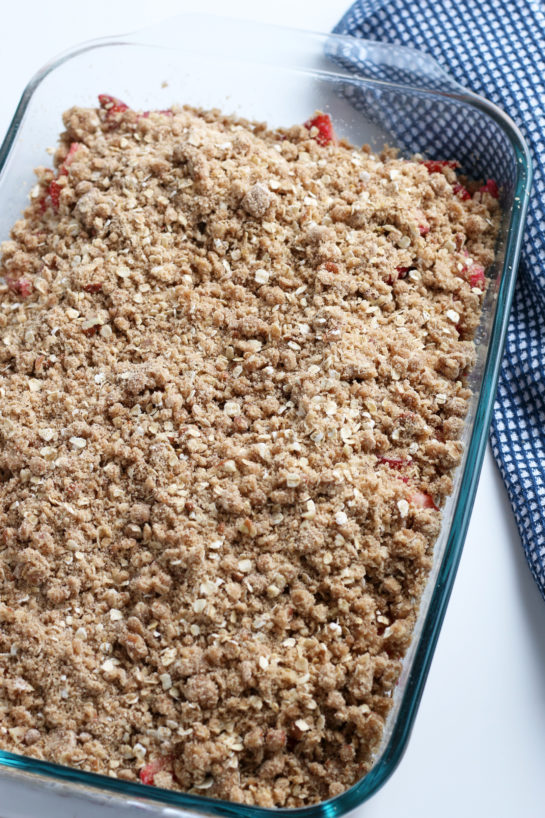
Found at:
[497, 49]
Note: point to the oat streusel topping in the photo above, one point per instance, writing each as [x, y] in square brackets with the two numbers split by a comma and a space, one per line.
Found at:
[232, 385]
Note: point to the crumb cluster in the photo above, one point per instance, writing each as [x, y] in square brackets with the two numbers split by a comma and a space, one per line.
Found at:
[232, 387]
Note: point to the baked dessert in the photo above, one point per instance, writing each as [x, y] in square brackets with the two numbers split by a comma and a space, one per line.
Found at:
[233, 381]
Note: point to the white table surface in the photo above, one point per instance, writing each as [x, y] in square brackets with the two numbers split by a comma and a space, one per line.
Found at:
[478, 745]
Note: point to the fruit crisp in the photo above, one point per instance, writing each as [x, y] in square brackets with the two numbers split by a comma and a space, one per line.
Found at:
[233, 384]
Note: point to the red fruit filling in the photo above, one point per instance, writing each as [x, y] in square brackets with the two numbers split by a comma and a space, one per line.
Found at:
[165, 111]
[93, 288]
[394, 462]
[401, 273]
[460, 191]
[420, 499]
[54, 192]
[424, 229]
[476, 276]
[54, 189]
[324, 126]
[147, 774]
[111, 104]
[437, 165]
[20, 286]
[69, 157]
[490, 187]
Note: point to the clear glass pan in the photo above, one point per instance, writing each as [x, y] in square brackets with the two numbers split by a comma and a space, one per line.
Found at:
[376, 93]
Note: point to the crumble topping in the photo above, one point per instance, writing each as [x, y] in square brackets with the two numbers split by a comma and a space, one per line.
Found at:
[232, 387]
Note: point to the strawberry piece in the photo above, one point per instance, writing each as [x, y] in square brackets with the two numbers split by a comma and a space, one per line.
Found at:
[54, 192]
[93, 288]
[394, 462]
[112, 105]
[20, 286]
[164, 111]
[424, 229]
[476, 277]
[491, 187]
[324, 126]
[437, 165]
[69, 157]
[54, 189]
[401, 273]
[460, 191]
[149, 771]
[419, 499]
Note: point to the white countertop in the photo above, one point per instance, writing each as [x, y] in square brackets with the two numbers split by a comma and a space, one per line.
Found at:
[478, 745]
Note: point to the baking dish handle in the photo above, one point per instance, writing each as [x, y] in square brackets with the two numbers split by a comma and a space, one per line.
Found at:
[392, 63]
[266, 44]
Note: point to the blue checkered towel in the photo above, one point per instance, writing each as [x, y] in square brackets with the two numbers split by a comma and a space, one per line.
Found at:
[497, 49]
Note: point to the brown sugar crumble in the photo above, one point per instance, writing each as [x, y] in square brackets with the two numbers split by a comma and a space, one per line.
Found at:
[233, 371]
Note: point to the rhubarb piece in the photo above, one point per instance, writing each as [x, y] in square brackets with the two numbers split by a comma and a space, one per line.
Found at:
[401, 273]
[149, 771]
[20, 286]
[54, 193]
[54, 189]
[461, 191]
[476, 277]
[325, 134]
[419, 499]
[394, 462]
[490, 187]
[164, 111]
[112, 105]
[91, 330]
[437, 165]
[74, 147]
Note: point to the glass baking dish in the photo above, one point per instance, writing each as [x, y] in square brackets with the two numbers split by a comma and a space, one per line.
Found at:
[375, 93]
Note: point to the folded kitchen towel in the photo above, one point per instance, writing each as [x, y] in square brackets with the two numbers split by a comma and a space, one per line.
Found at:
[497, 49]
